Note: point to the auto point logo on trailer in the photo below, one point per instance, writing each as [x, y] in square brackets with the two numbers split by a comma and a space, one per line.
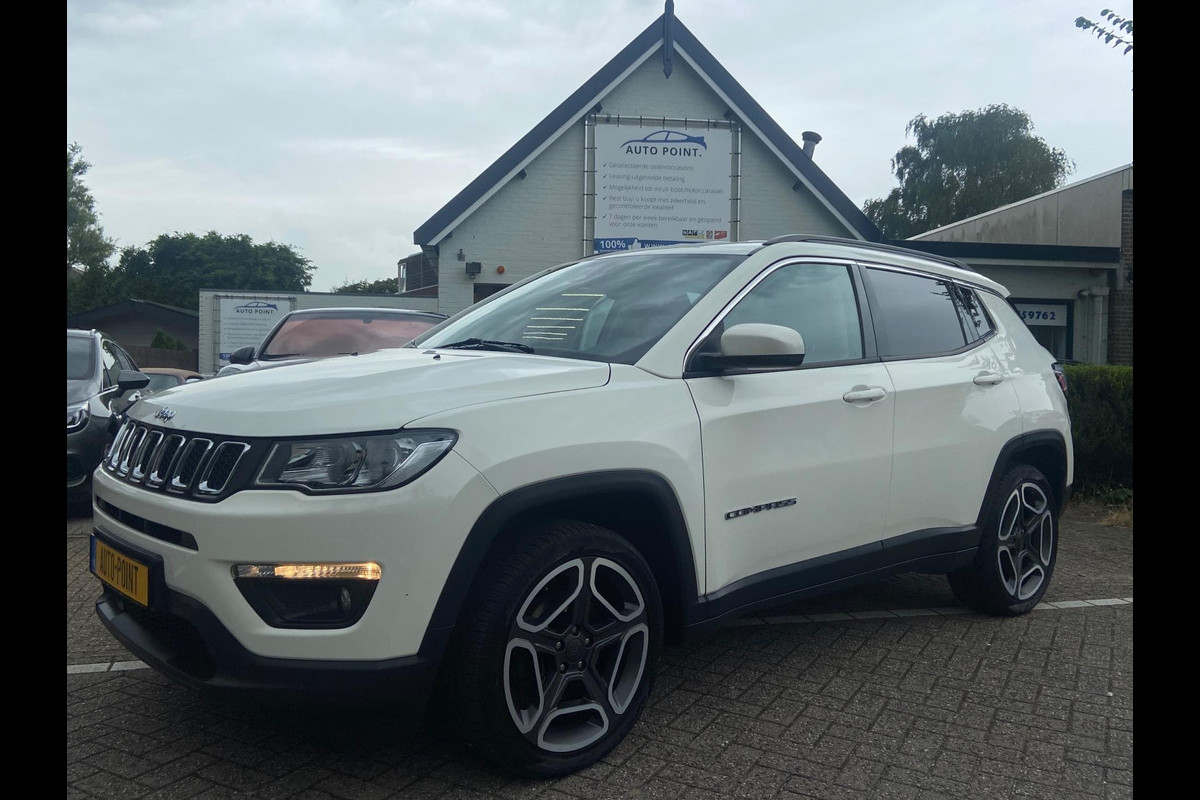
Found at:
[256, 307]
[665, 143]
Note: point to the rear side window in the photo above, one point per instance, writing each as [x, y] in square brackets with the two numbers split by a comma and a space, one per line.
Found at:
[914, 315]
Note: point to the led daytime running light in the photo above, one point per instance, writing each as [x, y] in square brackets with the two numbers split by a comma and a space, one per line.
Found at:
[369, 571]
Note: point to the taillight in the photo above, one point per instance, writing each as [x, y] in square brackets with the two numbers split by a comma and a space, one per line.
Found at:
[1061, 375]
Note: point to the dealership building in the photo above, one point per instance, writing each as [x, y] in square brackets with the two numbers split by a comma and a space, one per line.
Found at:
[662, 145]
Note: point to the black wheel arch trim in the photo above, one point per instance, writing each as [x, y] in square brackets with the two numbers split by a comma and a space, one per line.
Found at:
[1009, 457]
[491, 524]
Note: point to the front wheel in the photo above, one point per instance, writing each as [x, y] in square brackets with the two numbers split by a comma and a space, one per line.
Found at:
[1017, 547]
[557, 657]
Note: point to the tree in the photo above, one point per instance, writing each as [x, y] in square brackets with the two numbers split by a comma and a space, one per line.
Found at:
[1118, 31]
[173, 268]
[86, 243]
[381, 286]
[963, 165]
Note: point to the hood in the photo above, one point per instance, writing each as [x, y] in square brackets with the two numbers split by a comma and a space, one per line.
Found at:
[80, 390]
[350, 394]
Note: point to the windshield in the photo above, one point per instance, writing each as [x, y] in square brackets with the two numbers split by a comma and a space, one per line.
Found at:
[81, 358]
[160, 381]
[342, 334]
[610, 308]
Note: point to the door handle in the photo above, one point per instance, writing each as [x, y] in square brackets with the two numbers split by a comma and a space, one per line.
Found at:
[988, 379]
[864, 395]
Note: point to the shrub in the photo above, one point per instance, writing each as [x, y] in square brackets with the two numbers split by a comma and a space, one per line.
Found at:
[165, 341]
[1100, 399]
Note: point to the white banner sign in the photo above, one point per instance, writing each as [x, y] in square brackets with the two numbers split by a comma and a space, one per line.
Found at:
[1053, 314]
[657, 186]
[246, 321]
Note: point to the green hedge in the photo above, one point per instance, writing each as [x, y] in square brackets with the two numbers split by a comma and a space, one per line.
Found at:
[1100, 399]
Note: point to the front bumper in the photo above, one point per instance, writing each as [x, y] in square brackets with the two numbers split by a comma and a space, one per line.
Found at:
[200, 629]
[186, 642]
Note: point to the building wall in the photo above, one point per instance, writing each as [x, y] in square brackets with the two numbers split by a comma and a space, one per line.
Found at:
[537, 221]
[1086, 213]
[1085, 288]
[134, 328]
[1120, 336]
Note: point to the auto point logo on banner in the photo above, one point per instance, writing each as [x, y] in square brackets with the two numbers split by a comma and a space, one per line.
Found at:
[658, 186]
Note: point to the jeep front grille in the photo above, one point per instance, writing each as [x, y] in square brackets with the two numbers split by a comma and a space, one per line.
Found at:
[198, 467]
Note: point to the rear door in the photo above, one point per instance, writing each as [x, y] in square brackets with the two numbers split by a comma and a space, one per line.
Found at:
[797, 462]
[955, 405]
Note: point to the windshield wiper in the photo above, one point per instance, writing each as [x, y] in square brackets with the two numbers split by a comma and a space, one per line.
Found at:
[275, 356]
[487, 344]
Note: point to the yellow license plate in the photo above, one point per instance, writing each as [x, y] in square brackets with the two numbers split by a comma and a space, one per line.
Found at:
[128, 576]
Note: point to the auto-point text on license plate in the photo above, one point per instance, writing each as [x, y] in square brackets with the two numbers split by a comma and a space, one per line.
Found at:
[129, 577]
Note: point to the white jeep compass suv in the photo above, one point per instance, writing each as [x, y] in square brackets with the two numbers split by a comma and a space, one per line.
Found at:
[513, 513]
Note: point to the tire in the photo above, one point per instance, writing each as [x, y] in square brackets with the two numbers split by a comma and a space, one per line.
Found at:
[1018, 546]
[556, 655]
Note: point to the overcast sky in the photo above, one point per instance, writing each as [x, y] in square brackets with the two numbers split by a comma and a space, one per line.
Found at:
[340, 126]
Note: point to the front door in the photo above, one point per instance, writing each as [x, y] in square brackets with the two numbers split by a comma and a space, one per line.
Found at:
[797, 462]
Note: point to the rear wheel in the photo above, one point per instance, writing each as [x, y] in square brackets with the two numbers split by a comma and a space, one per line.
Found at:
[558, 655]
[1017, 548]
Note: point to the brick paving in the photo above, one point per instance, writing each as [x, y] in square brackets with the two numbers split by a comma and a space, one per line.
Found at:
[927, 705]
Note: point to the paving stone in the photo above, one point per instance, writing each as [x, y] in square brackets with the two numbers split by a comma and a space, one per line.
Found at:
[890, 690]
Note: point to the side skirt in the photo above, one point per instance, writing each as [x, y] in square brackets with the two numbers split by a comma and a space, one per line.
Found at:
[937, 550]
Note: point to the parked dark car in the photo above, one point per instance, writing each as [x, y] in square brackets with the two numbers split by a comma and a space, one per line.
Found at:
[102, 380]
[313, 333]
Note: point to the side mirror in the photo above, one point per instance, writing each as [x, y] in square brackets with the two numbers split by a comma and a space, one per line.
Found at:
[243, 355]
[754, 345]
[132, 379]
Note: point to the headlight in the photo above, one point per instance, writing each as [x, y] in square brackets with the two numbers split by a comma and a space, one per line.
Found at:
[77, 416]
[354, 463]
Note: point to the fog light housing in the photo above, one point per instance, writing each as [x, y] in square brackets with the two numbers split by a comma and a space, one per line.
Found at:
[308, 595]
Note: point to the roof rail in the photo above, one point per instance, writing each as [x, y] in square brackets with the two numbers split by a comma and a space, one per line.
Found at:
[886, 248]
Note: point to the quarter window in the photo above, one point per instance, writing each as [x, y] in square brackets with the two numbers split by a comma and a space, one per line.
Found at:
[817, 300]
[916, 315]
[975, 318]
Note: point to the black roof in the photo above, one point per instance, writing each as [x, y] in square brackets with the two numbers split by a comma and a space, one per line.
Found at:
[585, 98]
[157, 311]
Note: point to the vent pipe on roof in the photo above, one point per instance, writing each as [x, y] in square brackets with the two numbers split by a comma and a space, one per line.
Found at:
[811, 138]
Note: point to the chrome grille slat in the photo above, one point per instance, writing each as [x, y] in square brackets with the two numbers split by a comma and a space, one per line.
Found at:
[187, 467]
[220, 467]
[145, 454]
[158, 459]
[164, 459]
[129, 446]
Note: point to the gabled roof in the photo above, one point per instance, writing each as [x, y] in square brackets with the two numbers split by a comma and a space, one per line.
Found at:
[158, 311]
[588, 96]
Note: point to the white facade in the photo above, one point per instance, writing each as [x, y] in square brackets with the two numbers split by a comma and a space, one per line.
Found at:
[537, 218]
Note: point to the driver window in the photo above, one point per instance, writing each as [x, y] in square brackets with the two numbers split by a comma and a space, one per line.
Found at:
[817, 300]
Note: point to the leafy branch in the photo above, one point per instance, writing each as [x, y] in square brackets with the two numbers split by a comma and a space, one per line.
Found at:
[1117, 32]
